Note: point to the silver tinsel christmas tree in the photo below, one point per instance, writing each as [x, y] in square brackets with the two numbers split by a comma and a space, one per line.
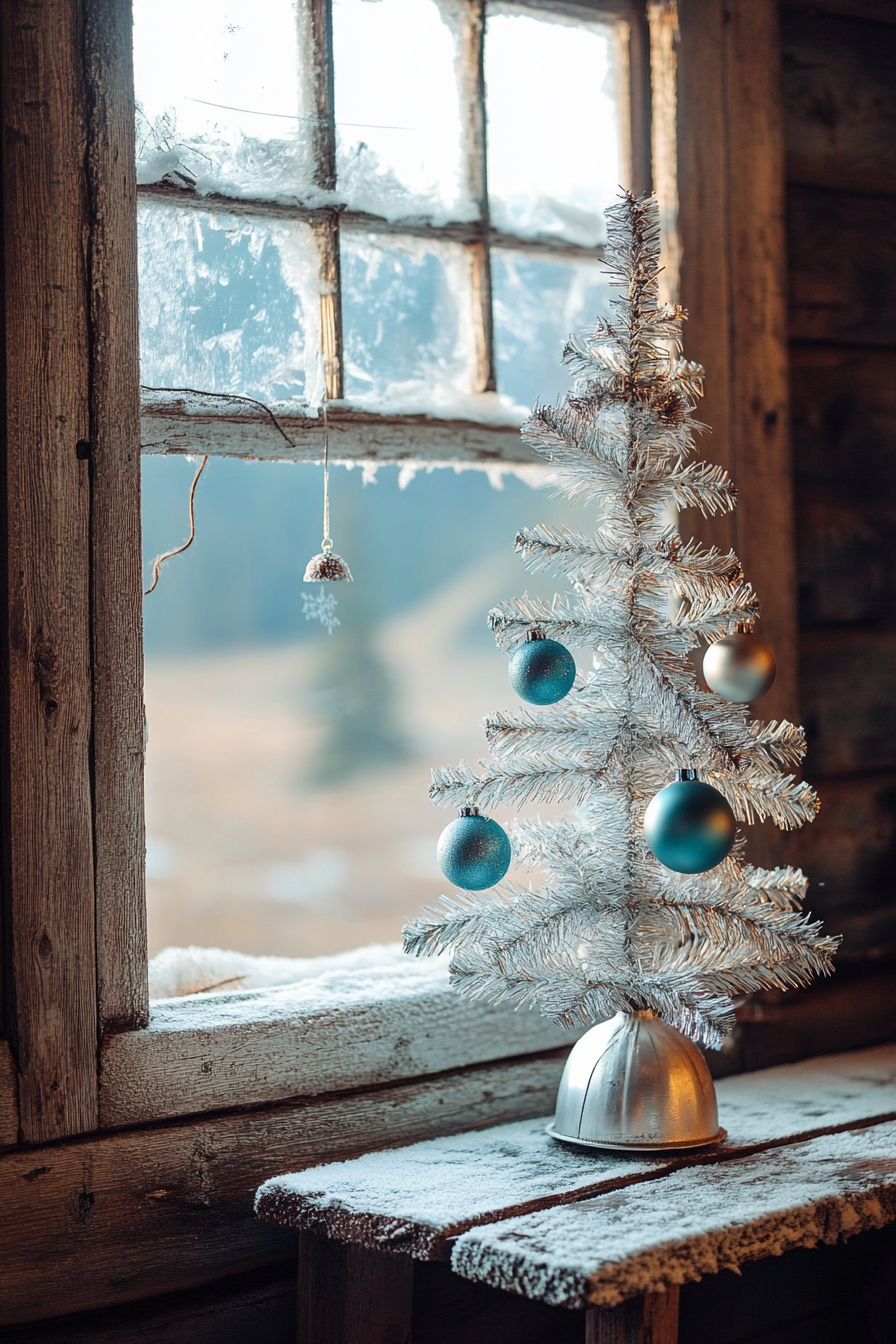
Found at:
[611, 929]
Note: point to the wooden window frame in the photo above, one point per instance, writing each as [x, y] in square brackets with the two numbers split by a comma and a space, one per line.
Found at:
[192, 424]
[75, 999]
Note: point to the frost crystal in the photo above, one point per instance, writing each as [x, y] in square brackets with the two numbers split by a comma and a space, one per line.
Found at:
[611, 929]
[321, 607]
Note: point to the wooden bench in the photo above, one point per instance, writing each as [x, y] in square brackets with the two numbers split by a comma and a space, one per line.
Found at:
[810, 1158]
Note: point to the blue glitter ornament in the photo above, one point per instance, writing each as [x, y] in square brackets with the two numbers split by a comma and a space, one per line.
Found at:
[473, 851]
[541, 670]
[688, 825]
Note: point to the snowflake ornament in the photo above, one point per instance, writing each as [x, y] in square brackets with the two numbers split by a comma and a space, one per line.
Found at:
[321, 607]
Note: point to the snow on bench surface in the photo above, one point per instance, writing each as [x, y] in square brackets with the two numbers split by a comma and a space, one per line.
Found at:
[416, 1199]
[648, 1237]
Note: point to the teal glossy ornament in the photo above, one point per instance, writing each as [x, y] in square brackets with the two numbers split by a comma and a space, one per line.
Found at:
[541, 670]
[688, 825]
[741, 667]
[473, 851]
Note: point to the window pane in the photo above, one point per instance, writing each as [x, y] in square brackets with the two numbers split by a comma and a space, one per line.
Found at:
[407, 323]
[220, 95]
[538, 303]
[398, 108]
[228, 304]
[553, 135]
[288, 769]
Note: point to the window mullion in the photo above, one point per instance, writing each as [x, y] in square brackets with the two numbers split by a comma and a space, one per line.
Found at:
[477, 176]
[327, 231]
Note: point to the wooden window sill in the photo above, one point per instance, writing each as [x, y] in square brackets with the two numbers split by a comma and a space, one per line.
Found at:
[215, 1052]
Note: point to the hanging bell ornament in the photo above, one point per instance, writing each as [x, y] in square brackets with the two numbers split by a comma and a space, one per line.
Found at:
[541, 670]
[740, 667]
[688, 825]
[473, 851]
[328, 567]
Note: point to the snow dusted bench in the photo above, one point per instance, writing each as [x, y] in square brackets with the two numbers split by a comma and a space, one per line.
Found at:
[810, 1157]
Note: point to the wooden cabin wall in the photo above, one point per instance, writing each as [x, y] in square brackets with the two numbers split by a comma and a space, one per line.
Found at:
[838, 67]
[839, 80]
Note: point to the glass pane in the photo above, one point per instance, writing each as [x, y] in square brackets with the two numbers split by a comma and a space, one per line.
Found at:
[398, 108]
[407, 323]
[228, 304]
[553, 134]
[220, 95]
[288, 769]
[538, 303]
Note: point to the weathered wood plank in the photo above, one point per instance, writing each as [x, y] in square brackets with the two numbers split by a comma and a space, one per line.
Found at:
[703, 222]
[842, 266]
[48, 827]
[217, 1051]
[114, 469]
[251, 1307]
[733, 282]
[649, 1319]
[9, 1101]
[222, 427]
[119, 1217]
[840, 101]
[417, 1200]
[838, 1014]
[844, 420]
[473, 101]
[661, 1233]
[349, 1295]
[764, 531]
[849, 701]
[849, 851]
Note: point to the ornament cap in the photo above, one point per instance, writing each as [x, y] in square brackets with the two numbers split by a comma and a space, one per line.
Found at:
[744, 628]
[468, 811]
[534, 634]
[687, 774]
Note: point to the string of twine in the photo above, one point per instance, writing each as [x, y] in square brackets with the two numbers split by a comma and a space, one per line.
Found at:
[178, 550]
[326, 544]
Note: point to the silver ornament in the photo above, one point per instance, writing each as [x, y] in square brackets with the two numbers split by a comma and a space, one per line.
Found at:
[741, 667]
[634, 1082]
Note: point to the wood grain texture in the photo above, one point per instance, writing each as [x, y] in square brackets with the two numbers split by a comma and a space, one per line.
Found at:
[662, 1233]
[844, 419]
[348, 1295]
[9, 1101]
[473, 100]
[840, 101]
[119, 1217]
[760, 423]
[849, 704]
[730, 157]
[49, 888]
[704, 223]
[401, 1201]
[842, 266]
[873, 11]
[248, 1308]
[114, 468]
[302, 1040]
[849, 852]
[649, 1319]
[185, 424]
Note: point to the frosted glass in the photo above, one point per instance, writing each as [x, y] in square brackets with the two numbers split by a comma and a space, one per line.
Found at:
[221, 94]
[538, 302]
[406, 319]
[228, 304]
[553, 133]
[398, 109]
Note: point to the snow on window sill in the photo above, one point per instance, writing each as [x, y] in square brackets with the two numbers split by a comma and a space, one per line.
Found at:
[350, 1025]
